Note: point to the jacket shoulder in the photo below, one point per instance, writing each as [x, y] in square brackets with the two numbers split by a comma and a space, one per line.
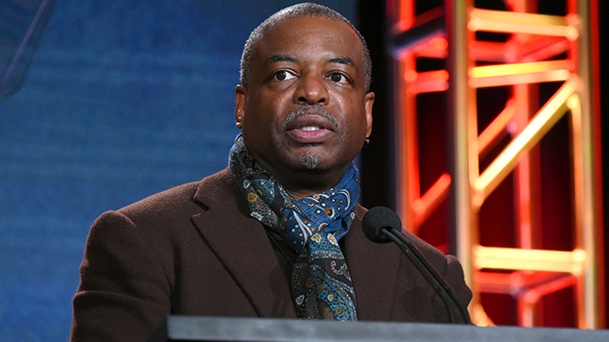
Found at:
[190, 197]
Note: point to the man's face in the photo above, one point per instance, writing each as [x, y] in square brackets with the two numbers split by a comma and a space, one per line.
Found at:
[306, 107]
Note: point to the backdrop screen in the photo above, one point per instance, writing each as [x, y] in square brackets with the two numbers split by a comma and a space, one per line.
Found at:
[121, 99]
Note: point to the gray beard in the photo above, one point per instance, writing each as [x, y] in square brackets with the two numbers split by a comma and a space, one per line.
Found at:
[309, 160]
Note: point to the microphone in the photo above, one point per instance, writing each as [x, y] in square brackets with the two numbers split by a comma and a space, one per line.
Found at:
[383, 225]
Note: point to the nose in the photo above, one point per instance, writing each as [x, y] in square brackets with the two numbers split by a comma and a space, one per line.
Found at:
[311, 90]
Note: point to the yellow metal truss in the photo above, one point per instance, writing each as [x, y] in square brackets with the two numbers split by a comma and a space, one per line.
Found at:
[527, 58]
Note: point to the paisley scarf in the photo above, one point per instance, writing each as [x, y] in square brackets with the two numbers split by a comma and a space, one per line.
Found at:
[311, 227]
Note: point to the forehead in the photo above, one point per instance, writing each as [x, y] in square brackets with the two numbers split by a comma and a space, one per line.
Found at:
[310, 36]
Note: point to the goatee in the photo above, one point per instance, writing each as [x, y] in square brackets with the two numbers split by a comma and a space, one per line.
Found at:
[309, 160]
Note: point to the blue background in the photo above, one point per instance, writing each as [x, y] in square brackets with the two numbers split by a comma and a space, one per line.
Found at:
[123, 99]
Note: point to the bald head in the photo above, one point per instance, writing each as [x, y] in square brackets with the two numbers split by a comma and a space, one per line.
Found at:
[296, 11]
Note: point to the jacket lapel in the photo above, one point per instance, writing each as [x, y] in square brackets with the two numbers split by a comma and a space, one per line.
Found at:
[242, 245]
[374, 270]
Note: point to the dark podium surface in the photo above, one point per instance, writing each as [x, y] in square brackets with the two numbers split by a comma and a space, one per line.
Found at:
[194, 328]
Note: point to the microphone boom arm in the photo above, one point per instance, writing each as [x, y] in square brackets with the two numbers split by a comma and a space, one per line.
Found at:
[425, 268]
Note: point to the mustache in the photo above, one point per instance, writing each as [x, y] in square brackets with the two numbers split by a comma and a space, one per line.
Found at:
[315, 109]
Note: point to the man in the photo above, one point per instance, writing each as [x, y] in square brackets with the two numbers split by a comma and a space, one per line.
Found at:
[278, 233]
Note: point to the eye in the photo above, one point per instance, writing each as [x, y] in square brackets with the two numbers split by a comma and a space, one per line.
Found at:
[338, 77]
[283, 75]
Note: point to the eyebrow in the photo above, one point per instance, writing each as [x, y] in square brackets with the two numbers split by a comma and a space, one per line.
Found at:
[342, 60]
[280, 58]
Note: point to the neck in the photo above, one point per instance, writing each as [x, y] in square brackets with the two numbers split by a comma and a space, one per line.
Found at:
[305, 183]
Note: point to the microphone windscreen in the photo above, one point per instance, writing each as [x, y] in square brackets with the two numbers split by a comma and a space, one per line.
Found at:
[376, 219]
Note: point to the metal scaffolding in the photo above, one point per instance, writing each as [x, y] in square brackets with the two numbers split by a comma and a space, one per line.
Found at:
[518, 49]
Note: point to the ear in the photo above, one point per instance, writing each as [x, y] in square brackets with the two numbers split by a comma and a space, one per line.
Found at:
[240, 102]
[369, 102]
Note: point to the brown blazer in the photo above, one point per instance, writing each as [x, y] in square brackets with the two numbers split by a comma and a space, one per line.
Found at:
[194, 250]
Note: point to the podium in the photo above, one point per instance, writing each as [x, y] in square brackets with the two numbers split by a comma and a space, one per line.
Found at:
[196, 328]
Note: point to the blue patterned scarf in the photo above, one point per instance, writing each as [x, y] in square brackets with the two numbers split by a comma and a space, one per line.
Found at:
[311, 226]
